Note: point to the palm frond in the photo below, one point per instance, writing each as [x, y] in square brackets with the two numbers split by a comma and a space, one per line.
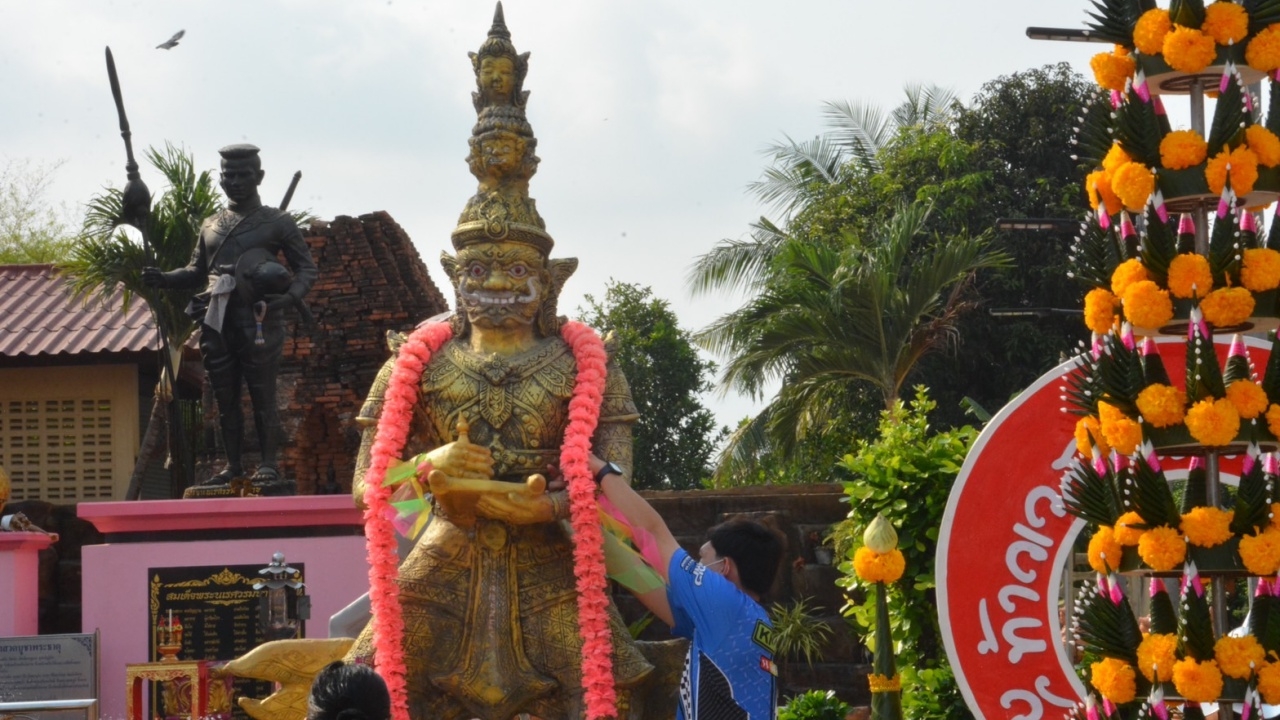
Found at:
[861, 129]
[796, 170]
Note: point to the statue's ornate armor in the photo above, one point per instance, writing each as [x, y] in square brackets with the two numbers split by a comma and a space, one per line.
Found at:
[490, 611]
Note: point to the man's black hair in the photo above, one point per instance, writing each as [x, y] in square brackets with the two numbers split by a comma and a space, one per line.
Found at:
[348, 692]
[756, 551]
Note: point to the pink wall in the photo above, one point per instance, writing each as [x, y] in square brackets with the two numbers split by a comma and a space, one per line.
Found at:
[115, 575]
[19, 582]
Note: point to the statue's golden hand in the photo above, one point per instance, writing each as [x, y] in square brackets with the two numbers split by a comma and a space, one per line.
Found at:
[462, 458]
[516, 508]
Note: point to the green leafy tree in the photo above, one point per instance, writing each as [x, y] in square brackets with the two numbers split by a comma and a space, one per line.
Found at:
[32, 231]
[106, 258]
[839, 319]
[675, 435]
[906, 474]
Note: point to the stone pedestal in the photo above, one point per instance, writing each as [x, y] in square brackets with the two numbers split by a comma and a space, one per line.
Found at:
[19, 594]
[323, 533]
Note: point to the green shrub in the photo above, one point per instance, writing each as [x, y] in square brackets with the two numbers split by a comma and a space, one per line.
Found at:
[814, 705]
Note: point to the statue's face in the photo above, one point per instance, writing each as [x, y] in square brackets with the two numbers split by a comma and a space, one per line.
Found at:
[497, 77]
[502, 153]
[501, 285]
[240, 179]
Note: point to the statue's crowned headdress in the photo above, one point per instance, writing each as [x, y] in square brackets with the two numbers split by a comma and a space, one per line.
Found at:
[502, 150]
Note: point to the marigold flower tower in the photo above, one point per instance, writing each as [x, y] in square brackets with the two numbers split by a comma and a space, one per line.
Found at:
[1175, 247]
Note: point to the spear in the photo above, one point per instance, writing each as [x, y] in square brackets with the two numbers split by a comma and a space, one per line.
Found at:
[135, 205]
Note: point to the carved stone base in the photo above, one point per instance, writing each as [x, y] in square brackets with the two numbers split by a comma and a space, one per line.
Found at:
[244, 487]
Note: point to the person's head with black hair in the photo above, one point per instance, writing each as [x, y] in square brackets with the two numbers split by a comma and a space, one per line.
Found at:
[344, 691]
[747, 550]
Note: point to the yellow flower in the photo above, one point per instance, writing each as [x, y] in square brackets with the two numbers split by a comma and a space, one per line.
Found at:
[1116, 156]
[1133, 184]
[1263, 52]
[1114, 679]
[1248, 397]
[872, 566]
[1162, 548]
[1146, 305]
[1127, 273]
[1188, 50]
[1260, 269]
[1260, 552]
[1182, 149]
[1086, 427]
[1273, 420]
[1158, 652]
[1162, 405]
[1100, 311]
[1225, 307]
[1123, 533]
[1275, 515]
[1122, 434]
[1104, 551]
[1207, 526]
[1237, 657]
[1244, 171]
[1112, 69]
[1213, 422]
[1269, 683]
[1149, 32]
[1197, 681]
[1098, 185]
[1189, 276]
[1264, 144]
[1225, 22]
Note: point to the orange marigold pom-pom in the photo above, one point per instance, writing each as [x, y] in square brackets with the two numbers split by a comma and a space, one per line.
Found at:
[1197, 681]
[1147, 305]
[1088, 428]
[1149, 31]
[1213, 422]
[1162, 548]
[1225, 307]
[1104, 551]
[1111, 70]
[1127, 273]
[1225, 22]
[1237, 657]
[1269, 683]
[1115, 157]
[1244, 171]
[1190, 276]
[1114, 679]
[1207, 526]
[1181, 149]
[1264, 144]
[1124, 532]
[1098, 185]
[1260, 552]
[1188, 50]
[1263, 51]
[1133, 184]
[1248, 397]
[872, 566]
[1260, 269]
[1100, 310]
[1273, 419]
[1162, 405]
[1156, 655]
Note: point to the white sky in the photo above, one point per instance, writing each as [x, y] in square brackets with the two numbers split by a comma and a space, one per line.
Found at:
[650, 116]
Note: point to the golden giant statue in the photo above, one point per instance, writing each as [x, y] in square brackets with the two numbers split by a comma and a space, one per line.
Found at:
[488, 592]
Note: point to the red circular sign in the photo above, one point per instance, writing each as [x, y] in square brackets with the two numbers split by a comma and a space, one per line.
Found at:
[1003, 546]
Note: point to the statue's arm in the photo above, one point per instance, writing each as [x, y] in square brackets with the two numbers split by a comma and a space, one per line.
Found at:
[299, 257]
[367, 420]
[196, 272]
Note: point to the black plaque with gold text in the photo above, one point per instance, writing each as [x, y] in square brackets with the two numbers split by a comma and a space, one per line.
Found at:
[219, 612]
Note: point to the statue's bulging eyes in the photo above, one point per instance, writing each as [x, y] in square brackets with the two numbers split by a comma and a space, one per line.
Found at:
[518, 270]
[477, 270]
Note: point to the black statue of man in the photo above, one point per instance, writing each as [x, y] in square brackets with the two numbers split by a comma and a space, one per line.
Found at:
[241, 309]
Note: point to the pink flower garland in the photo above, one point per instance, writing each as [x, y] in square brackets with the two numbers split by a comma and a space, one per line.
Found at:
[392, 433]
[588, 541]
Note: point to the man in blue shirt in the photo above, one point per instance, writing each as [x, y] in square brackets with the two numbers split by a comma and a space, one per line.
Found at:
[714, 601]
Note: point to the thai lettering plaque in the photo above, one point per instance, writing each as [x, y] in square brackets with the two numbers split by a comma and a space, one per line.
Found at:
[209, 613]
[49, 667]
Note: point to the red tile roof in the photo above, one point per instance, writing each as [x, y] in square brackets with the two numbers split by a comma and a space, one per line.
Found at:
[38, 316]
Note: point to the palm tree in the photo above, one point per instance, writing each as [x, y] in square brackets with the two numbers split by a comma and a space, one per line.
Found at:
[799, 171]
[106, 258]
[832, 316]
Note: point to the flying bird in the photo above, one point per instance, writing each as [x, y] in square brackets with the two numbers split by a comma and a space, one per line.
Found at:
[171, 42]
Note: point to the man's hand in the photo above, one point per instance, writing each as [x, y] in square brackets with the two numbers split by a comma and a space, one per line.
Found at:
[154, 277]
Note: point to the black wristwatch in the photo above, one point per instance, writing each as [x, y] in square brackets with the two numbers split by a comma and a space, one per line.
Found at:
[608, 468]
